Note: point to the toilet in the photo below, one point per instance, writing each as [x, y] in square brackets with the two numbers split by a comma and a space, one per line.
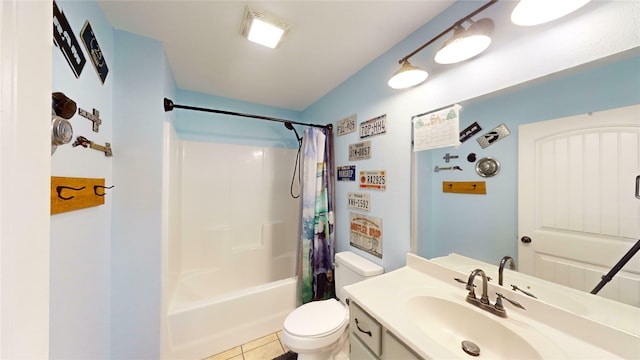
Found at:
[318, 330]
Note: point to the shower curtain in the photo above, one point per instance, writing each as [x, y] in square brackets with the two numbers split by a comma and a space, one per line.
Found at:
[316, 250]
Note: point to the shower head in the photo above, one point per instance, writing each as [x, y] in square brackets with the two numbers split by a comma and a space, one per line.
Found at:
[289, 126]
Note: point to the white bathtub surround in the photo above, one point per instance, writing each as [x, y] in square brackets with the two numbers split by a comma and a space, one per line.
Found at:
[549, 331]
[237, 247]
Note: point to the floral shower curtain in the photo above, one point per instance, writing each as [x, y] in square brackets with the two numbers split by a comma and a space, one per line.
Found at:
[316, 250]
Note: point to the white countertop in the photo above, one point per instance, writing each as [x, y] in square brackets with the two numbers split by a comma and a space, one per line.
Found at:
[553, 332]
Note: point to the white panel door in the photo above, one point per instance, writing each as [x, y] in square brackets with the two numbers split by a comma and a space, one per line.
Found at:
[578, 213]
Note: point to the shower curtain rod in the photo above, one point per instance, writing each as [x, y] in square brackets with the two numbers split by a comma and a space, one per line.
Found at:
[169, 106]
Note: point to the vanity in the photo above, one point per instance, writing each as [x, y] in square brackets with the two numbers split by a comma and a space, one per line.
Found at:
[421, 311]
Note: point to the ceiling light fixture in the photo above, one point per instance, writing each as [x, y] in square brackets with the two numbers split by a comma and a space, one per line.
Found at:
[535, 12]
[410, 75]
[466, 43]
[262, 28]
[407, 76]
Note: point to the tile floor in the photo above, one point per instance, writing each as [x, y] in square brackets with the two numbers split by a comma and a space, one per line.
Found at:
[264, 348]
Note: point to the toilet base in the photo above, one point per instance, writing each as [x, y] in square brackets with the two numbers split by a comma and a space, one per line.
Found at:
[337, 351]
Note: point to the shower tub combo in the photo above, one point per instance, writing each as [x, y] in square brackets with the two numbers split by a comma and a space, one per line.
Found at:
[238, 241]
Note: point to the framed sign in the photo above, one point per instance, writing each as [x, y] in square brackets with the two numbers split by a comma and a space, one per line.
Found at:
[373, 179]
[366, 233]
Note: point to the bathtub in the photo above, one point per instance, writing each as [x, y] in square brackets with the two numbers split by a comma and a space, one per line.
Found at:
[203, 326]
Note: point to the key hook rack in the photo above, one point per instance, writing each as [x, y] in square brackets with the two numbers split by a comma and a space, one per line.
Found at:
[68, 194]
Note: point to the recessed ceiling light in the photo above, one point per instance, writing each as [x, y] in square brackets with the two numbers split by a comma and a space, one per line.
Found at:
[263, 28]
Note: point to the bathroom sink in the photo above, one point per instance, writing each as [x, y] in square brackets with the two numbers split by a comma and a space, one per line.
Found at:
[451, 323]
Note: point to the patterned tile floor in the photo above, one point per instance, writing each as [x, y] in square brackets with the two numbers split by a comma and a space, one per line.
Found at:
[264, 348]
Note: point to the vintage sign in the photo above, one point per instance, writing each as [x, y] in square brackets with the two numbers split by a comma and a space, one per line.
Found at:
[373, 179]
[347, 125]
[360, 151]
[66, 41]
[366, 233]
[358, 201]
[95, 53]
[471, 130]
[373, 127]
[347, 173]
[498, 133]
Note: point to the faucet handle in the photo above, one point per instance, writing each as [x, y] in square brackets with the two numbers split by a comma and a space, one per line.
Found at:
[513, 302]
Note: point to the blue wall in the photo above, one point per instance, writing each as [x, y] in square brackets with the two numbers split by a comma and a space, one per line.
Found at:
[485, 227]
[206, 126]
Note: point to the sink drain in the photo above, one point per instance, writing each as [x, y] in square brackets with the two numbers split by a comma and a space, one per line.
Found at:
[470, 348]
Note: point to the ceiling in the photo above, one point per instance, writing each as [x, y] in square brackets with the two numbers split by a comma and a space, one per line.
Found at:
[329, 41]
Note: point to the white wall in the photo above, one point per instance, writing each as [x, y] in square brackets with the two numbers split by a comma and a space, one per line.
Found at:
[25, 117]
[137, 241]
[81, 239]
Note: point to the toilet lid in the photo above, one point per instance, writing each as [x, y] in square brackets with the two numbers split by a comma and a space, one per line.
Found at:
[316, 318]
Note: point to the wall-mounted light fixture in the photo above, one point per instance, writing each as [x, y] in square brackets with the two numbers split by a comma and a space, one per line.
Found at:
[465, 44]
[534, 12]
[262, 28]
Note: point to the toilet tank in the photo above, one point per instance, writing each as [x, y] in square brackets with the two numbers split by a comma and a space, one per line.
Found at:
[351, 268]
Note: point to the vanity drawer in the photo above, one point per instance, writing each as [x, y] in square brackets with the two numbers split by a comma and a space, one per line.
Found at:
[365, 328]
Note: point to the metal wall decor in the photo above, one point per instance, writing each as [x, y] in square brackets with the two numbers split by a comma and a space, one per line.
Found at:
[347, 173]
[366, 233]
[95, 53]
[373, 179]
[347, 125]
[487, 167]
[66, 41]
[84, 142]
[373, 127]
[360, 151]
[498, 133]
[94, 117]
[469, 131]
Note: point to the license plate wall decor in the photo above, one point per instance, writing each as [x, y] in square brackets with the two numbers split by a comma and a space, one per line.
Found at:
[347, 125]
[358, 201]
[366, 233]
[66, 41]
[347, 173]
[360, 151]
[373, 179]
[95, 53]
[373, 127]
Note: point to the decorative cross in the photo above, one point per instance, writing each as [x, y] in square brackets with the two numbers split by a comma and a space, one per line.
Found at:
[94, 117]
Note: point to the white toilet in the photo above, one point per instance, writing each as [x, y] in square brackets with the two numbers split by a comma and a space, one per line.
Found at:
[318, 330]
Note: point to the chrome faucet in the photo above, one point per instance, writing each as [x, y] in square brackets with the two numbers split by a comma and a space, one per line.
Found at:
[512, 266]
[472, 295]
[484, 303]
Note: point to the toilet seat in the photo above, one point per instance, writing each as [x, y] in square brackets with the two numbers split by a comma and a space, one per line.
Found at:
[317, 319]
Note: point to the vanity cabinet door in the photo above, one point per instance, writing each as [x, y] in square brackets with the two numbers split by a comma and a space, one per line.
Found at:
[365, 328]
[393, 349]
[359, 351]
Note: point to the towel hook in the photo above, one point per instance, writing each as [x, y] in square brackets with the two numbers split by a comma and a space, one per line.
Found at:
[96, 187]
[59, 189]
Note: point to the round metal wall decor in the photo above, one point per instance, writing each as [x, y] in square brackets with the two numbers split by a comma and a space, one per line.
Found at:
[487, 167]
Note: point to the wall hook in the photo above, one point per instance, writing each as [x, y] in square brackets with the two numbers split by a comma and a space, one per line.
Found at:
[96, 187]
[59, 189]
